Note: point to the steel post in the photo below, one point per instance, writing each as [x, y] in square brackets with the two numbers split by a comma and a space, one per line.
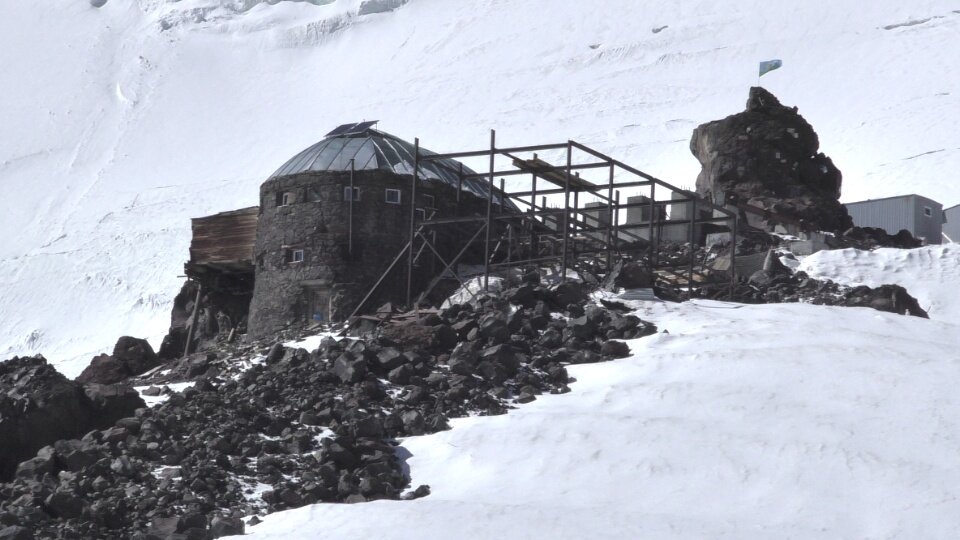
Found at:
[350, 215]
[610, 218]
[653, 234]
[566, 213]
[693, 234]
[486, 243]
[413, 216]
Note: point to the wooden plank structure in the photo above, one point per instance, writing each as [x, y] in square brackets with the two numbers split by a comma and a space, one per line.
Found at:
[223, 242]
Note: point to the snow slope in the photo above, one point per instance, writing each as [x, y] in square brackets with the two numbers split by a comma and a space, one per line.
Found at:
[931, 274]
[121, 123]
[769, 421]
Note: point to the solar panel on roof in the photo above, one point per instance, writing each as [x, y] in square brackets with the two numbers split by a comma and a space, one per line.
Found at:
[363, 126]
[345, 128]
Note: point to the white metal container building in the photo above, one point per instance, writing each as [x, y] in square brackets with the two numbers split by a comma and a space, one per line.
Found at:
[921, 216]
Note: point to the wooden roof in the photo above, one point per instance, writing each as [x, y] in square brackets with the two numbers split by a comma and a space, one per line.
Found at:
[224, 241]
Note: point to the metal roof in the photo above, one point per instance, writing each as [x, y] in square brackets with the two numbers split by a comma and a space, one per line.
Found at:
[905, 196]
[369, 149]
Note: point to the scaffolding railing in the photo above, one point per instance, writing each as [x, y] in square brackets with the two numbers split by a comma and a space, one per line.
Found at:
[572, 229]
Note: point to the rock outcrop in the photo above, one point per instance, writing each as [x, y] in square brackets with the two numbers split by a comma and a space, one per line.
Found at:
[768, 157]
[39, 406]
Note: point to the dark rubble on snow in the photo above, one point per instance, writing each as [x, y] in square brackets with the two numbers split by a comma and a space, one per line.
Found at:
[308, 426]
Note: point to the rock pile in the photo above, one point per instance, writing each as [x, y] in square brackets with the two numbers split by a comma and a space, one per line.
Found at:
[39, 406]
[776, 283]
[306, 426]
[872, 237]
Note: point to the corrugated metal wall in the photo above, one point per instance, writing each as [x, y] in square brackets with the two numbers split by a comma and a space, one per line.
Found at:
[952, 226]
[928, 226]
[896, 213]
[890, 215]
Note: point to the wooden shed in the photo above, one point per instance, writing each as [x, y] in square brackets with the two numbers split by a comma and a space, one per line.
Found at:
[223, 242]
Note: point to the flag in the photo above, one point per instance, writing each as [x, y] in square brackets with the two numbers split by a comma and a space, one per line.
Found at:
[769, 65]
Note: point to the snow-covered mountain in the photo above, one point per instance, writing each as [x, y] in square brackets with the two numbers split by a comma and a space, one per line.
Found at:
[121, 122]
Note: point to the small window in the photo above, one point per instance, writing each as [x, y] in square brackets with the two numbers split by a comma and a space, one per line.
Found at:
[286, 198]
[295, 256]
[429, 201]
[927, 211]
[346, 193]
[393, 196]
[421, 214]
[313, 194]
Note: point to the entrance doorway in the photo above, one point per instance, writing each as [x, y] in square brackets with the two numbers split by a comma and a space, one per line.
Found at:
[319, 306]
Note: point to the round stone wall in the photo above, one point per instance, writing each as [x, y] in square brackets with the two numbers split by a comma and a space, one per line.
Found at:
[308, 215]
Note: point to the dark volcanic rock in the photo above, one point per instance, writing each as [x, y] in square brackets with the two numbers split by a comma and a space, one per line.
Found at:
[221, 526]
[350, 370]
[64, 504]
[768, 156]
[131, 356]
[615, 349]
[38, 406]
[112, 402]
[316, 426]
[15, 532]
[891, 298]
[872, 237]
[775, 286]
[629, 275]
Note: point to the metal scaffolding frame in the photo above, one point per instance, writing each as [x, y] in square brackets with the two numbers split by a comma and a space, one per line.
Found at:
[575, 231]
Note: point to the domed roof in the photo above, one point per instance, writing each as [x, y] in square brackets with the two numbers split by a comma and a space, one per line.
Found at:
[373, 149]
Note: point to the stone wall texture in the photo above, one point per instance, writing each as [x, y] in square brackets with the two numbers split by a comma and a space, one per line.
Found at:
[316, 219]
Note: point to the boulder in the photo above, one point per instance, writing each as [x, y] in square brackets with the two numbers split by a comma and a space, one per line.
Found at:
[64, 505]
[111, 402]
[350, 370]
[890, 298]
[38, 406]
[768, 157]
[629, 275]
[136, 354]
[226, 526]
[503, 356]
[615, 349]
[568, 293]
[104, 369]
[389, 358]
[131, 356]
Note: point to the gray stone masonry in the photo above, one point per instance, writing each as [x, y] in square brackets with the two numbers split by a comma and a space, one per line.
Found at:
[315, 219]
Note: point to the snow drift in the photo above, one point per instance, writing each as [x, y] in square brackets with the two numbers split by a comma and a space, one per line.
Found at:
[769, 421]
[931, 274]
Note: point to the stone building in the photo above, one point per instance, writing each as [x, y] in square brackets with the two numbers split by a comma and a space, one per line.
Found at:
[329, 222]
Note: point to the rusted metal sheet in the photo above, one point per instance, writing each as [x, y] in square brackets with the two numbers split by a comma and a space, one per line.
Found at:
[224, 240]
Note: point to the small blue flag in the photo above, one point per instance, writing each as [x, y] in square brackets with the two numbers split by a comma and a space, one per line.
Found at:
[769, 65]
